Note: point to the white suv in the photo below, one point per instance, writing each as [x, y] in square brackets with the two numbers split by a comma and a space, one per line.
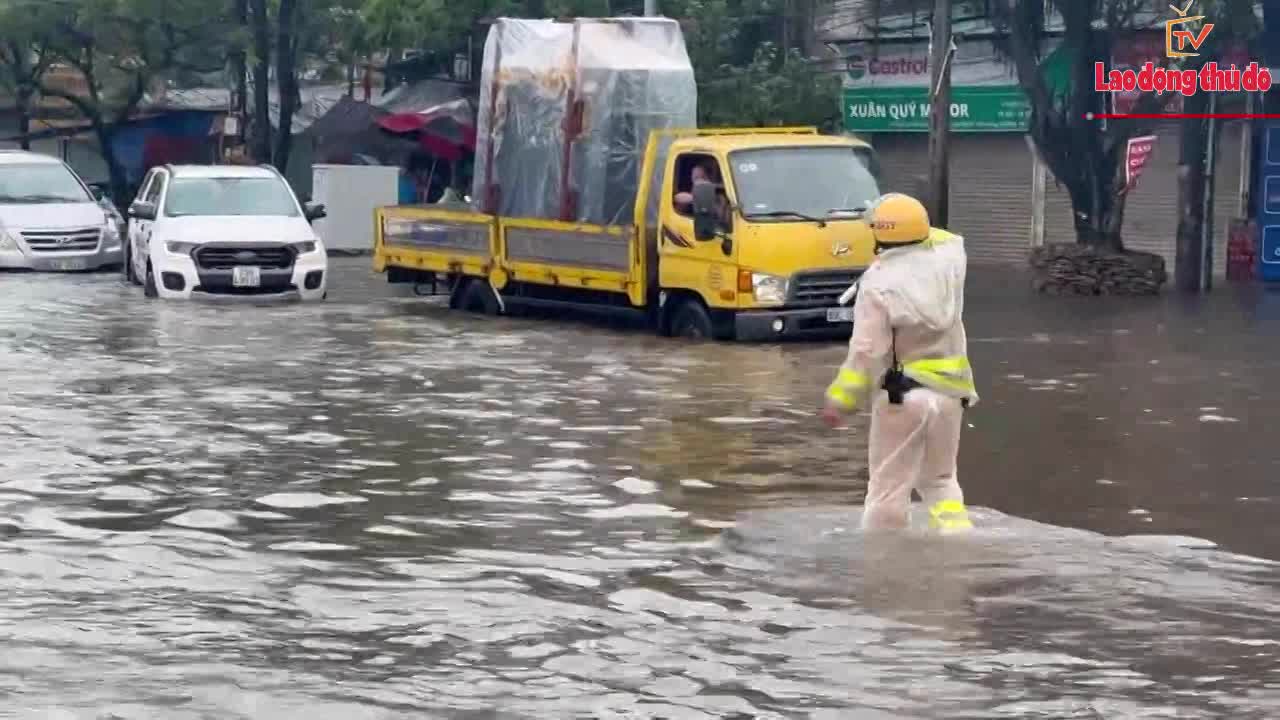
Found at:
[49, 219]
[206, 230]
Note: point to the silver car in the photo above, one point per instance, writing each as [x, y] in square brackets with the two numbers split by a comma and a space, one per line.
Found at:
[49, 218]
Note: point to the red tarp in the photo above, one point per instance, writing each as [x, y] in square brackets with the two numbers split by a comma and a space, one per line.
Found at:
[442, 131]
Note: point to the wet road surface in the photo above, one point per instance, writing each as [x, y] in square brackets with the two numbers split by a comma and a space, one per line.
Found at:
[377, 508]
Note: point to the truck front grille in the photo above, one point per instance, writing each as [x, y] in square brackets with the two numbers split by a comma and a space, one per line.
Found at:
[819, 289]
[224, 257]
[62, 241]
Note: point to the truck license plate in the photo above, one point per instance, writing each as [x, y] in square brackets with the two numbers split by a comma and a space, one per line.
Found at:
[840, 314]
[246, 276]
[69, 264]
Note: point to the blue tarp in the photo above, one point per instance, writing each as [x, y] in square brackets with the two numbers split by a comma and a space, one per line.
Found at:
[177, 137]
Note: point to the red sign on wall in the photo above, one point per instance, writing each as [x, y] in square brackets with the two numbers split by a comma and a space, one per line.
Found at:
[1136, 155]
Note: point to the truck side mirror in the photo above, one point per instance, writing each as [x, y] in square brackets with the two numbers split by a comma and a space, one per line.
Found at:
[705, 220]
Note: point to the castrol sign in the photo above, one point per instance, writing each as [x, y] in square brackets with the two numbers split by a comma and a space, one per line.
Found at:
[1135, 158]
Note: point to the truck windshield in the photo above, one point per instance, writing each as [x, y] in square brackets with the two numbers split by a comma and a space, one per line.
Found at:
[40, 183]
[804, 182]
[229, 196]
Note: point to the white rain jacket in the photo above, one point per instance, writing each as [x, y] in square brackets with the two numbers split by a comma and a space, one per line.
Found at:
[910, 304]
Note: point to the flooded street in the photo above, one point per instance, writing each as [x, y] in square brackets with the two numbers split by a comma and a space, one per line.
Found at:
[376, 508]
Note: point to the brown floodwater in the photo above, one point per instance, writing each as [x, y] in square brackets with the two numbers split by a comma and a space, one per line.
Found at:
[375, 507]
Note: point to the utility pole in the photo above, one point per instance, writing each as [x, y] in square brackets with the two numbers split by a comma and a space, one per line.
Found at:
[941, 50]
[650, 8]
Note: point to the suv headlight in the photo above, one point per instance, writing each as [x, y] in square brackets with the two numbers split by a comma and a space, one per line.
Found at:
[769, 289]
[111, 233]
[6, 241]
[304, 247]
[180, 248]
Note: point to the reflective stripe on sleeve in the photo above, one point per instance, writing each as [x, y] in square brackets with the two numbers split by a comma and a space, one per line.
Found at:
[844, 390]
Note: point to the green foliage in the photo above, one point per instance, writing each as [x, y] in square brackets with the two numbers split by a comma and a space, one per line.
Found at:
[773, 89]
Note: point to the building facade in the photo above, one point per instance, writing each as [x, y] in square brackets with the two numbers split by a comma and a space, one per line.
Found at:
[1003, 199]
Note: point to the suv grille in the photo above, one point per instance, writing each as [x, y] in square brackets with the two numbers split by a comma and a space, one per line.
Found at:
[62, 241]
[821, 288]
[225, 258]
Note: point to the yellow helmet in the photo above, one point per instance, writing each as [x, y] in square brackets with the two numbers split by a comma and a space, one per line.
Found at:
[897, 219]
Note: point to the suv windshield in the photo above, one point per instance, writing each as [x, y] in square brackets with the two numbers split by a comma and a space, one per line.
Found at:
[804, 182]
[229, 196]
[40, 183]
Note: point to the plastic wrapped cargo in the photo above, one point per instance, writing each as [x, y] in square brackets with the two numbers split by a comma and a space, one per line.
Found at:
[566, 109]
[524, 95]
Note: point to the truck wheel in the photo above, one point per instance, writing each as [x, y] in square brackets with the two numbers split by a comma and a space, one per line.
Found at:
[477, 297]
[692, 321]
[149, 287]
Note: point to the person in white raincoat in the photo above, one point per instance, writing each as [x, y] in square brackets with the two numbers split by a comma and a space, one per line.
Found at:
[908, 358]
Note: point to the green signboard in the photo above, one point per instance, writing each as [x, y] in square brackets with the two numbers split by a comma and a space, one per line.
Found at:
[998, 108]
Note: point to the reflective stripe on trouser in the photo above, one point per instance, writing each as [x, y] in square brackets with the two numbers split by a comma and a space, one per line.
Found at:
[949, 515]
[913, 446]
[845, 389]
[951, 375]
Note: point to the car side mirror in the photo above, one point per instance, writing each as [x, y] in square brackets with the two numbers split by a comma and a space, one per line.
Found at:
[315, 211]
[142, 211]
[99, 192]
[705, 219]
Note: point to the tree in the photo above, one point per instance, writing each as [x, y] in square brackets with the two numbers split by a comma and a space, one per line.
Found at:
[119, 48]
[1085, 156]
[275, 36]
[22, 60]
[775, 88]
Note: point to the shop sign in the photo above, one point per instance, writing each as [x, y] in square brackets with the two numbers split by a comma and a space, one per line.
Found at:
[906, 109]
[886, 89]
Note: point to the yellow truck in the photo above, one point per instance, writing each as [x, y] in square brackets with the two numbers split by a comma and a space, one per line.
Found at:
[760, 248]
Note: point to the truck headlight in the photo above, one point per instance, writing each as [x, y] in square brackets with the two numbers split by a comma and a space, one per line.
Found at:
[304, 247]
[769, 289]
[176, 247]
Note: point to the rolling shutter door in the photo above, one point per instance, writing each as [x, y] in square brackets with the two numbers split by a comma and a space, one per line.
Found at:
[990, 188]
[991, 196]
[904, 161]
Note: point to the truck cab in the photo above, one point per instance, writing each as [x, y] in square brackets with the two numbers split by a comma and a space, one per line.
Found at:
[782, 238]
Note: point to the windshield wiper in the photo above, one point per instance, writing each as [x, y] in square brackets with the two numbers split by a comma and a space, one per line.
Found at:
[849, 211]
[787, 213]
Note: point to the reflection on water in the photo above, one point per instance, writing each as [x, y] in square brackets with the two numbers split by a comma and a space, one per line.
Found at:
[375, 508]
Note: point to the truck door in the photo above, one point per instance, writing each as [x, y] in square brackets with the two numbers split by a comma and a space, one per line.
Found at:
[687, 262]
